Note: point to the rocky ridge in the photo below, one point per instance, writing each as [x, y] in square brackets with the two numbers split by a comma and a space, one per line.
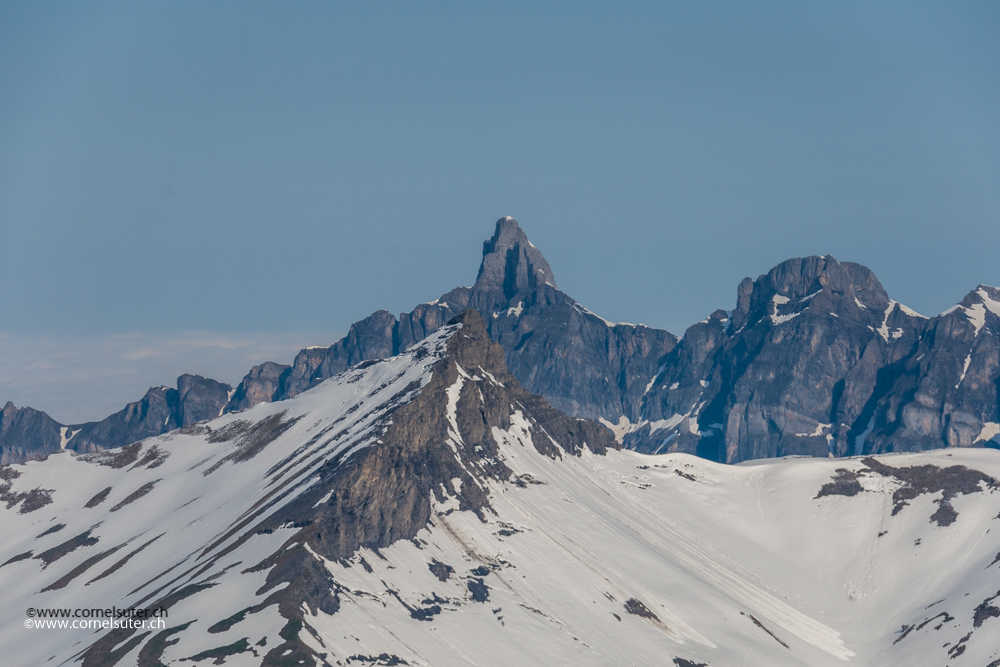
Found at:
[584, 365]
[425, 509]
[359, 463]
[27, 433]
[815, 359]
[161, 410]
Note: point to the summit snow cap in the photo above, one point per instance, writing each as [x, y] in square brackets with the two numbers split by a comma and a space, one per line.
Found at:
[511, 263]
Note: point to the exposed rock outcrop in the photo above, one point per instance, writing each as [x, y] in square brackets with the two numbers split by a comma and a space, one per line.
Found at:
[432, 442]
[27, 433]
[945, 392]
[584, 365]
[161, 410]
[817, 360]
[200, 398]
[387, 490]
[384, 494]
[261, 385]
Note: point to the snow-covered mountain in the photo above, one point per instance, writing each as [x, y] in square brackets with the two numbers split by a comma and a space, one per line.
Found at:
[815, 359]
[426, 510]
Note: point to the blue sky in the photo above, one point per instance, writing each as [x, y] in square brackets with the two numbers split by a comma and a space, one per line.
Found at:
[268, 173]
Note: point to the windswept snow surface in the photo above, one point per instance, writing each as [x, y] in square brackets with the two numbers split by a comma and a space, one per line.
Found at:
[989, 302]
[200, 490]
[780, 300]
[609, 323]
[990, 431]
[977, 311]
[884, 330]
[622, 559]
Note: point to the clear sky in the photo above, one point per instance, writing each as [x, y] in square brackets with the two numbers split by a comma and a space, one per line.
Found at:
[263, 174]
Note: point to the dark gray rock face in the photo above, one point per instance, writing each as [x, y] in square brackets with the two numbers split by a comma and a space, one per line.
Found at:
[161, 410]
[27, 433]
[384, 493]
[261, 385]
[583, 365]
[945, 393]
[200, 398]
[788, 373]
[817, 360]
[511, 264]
[155, 413]
[372, 338]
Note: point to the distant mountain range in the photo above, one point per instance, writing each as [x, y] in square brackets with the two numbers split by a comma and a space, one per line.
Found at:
[815, 359]
[426, 510]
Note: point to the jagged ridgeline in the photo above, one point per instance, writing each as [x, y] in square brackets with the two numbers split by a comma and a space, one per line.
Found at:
[815, 359]
[359, 462]
[425, 509]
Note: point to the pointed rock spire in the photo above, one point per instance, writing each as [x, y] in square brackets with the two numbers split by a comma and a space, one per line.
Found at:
[511, 264]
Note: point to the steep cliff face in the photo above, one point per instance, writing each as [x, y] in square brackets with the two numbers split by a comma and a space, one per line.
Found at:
[945, 393]
[788, 373]
[511, 265]
[372, 338]
[582, 364]
[153, 414]
[161, 410]
[283, 490]
[442, 436]
[426, 510]
[27, 433]
[431, 440]
[261, 385]
[817, 360]
[200, 398]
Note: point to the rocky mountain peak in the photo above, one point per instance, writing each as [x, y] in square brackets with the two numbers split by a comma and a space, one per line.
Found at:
[200, 398]
[511, 264]
[976, 310]
[26, 433]
[803, 277]
[983, 294]
[718, 315]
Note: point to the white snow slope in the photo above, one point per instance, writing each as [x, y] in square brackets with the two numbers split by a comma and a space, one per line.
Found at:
[623, 559]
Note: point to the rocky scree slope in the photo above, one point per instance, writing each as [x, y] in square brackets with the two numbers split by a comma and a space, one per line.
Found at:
[427, 510]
